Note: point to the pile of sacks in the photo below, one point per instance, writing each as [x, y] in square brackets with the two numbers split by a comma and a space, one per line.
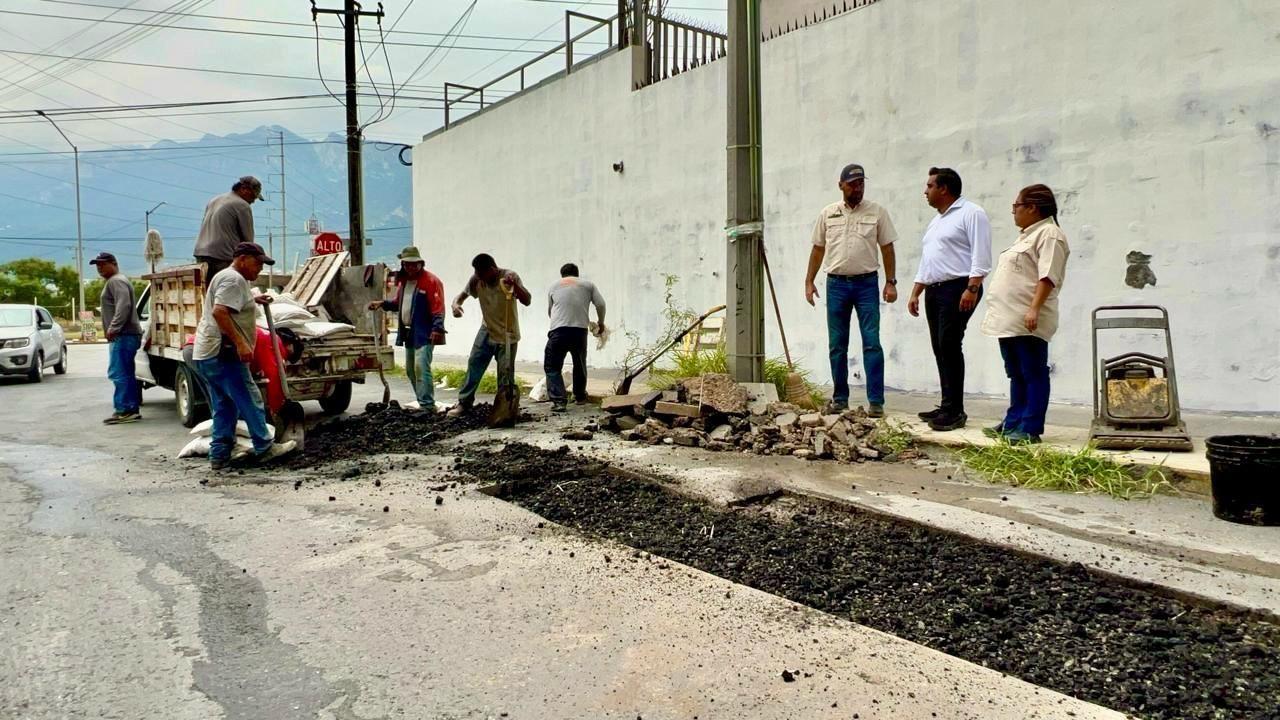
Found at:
[288, 313]
[716, 413]
[199, 446]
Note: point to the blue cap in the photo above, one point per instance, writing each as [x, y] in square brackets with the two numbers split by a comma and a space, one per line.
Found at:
[852, 172]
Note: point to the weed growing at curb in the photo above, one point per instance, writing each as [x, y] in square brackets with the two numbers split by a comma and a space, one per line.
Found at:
[453, 377]
[892, 435]
[1043, 468]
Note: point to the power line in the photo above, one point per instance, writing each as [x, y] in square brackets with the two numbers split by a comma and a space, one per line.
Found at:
[163, 149]
[243, 32]
[282, 23]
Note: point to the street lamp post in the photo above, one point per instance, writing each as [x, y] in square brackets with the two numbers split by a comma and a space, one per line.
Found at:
[79, 232]
[148, 217]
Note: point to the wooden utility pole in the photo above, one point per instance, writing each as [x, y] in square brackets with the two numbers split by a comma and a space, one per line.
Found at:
[351, 14]
[745, 227]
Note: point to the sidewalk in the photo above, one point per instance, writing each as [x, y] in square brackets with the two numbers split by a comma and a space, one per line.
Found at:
[1067, 429]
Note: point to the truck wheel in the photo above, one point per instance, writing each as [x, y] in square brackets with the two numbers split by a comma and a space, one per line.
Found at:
[192, 407]
[61, 367]
[338, 399]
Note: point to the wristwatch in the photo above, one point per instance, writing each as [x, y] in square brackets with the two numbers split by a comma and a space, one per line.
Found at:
[891, 281]
[975, 289]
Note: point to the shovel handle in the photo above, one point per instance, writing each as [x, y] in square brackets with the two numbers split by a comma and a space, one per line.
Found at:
[275, 351]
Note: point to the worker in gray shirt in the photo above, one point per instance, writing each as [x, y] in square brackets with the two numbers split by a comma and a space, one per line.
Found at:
[567, 304]
[228, 221]
[124, 337]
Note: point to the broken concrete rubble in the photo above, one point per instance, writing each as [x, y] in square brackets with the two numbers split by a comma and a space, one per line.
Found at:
[694, 415]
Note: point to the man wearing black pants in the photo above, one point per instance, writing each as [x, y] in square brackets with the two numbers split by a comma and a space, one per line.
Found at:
[956, 256]
[567, 304]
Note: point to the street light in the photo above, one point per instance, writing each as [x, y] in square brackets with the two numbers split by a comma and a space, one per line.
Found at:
[79, 232]
[148, 217]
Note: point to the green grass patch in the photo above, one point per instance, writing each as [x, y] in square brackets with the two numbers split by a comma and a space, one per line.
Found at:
[684, 365]
[1043, 468]
[893, 436]
[454, 377]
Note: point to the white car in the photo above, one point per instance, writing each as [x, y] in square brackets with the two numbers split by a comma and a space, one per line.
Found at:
[30, 341]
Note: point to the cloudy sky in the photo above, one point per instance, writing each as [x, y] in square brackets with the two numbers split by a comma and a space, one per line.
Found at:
[81, 53]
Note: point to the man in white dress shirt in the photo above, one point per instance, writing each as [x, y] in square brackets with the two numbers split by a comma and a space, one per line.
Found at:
[956, 256]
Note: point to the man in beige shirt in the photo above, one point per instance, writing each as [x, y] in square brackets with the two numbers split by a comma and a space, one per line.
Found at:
[497, 290]
[849, 240]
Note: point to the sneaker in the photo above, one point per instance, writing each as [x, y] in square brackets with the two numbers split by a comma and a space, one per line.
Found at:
[276, 450]
[943, 422]
[413, 405]
[995, 431]
[457, 410]
[115, 417]
[929, 414]
[125, 417]
[216, 466]
[875, 410]
[582, 401]
[834, 408]
[559, 407]
[1020, 438]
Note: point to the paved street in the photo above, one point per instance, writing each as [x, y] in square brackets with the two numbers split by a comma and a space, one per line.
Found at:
[130, 591]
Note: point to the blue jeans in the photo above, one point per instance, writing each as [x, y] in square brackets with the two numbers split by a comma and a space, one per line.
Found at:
[417, 365]
[845, 294]
[121, 357]
[233, 396]
[1026, 362]
[483, 350]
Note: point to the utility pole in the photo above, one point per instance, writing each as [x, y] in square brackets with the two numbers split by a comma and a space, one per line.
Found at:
[79, 232]
[148, 215]
[351, 14]
[745, 227]
[284, 217]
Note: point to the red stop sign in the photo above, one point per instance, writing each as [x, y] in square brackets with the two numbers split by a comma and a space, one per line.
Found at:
[326, 244]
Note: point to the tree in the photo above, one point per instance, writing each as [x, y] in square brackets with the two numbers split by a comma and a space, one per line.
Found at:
[40, 281]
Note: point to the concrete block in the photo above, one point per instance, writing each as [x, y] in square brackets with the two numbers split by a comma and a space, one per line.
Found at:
[810, 420]
[626, 422]
[680, 409]
[760, 396]
[721, 432]
[786, 420]
[829, 420]
[624, 403]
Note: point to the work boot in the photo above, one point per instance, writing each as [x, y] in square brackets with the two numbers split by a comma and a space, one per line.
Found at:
[276, 450]
[945, 421]
[995, 431]
[929, 414]
[458, 410]
[127, 416]
[217, 466]
[875, 410]
[1018, 437]
[834, 408]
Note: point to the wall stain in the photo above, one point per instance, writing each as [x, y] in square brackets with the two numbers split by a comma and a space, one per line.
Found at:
[1266, 130]
[1139, 274]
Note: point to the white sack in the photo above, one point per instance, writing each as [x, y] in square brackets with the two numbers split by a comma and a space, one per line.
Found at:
[205, 429]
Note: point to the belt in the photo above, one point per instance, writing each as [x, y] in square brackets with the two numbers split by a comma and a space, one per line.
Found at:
[940, 283]
[873, 273]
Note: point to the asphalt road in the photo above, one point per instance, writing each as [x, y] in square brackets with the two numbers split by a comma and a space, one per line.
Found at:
[129, 590]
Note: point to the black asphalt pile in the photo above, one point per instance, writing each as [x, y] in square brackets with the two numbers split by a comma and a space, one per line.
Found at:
[714, 412]
[390, 430]
[1060, 626]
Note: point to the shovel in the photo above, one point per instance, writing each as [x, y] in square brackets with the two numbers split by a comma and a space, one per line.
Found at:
[506, 404]
[378, 326]
[624, 387]
[290, 419]
[797, 390]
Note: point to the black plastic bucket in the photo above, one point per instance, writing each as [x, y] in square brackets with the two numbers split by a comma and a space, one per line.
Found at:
[1245, 473]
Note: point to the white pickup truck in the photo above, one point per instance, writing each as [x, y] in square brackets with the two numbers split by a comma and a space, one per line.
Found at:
[319, 368]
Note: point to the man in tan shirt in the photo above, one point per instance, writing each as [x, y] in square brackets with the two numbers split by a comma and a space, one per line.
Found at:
[849, 240]
[497, 290]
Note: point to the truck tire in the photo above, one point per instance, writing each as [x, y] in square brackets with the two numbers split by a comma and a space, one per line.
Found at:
[338, 399]
[193, 408]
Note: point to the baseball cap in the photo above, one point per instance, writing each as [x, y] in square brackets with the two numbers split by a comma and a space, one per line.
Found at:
[254, 183]
[410, 254]
[254, 250]
[851, 172]
[104, 257]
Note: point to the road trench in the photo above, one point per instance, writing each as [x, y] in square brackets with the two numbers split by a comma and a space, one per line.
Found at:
[1134, 648]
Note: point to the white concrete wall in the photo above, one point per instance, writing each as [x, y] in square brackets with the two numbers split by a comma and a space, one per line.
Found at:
[1157, 123]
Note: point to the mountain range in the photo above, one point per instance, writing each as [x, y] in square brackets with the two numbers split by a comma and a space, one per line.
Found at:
[117, 188]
